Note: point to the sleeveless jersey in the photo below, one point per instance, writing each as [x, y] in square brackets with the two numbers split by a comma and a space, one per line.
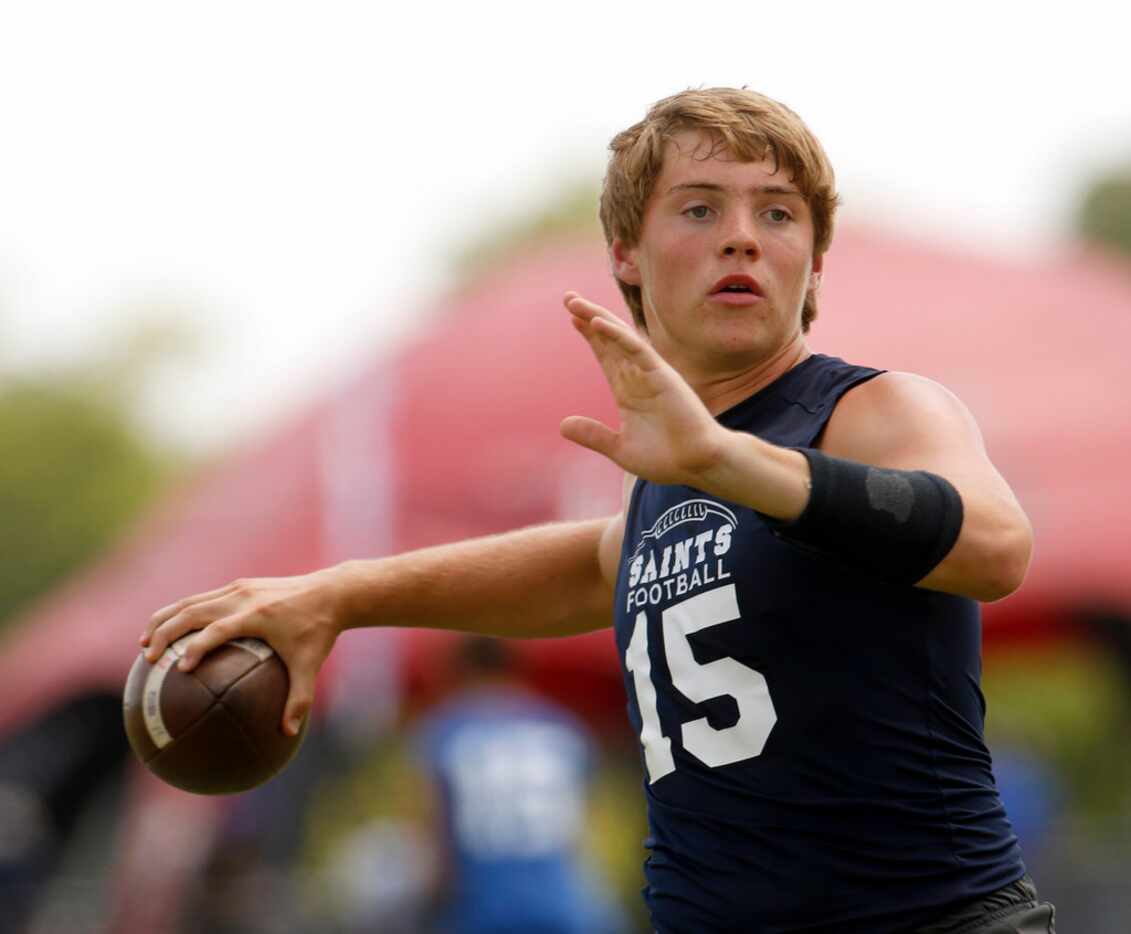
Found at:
[812, 738]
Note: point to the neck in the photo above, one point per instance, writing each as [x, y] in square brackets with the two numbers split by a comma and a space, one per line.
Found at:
[720, 392]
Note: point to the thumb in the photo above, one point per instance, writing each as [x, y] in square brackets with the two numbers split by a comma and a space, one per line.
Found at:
[299, 701]
[589, 433]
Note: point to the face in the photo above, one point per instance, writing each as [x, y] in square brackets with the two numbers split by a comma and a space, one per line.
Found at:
[724, 259]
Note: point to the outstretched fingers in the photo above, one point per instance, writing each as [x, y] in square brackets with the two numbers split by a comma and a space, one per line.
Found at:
[630, 347]
[590, 312]
[609, 337]
[580, 306]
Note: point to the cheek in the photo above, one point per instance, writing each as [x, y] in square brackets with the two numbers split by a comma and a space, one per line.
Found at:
[676, 259]
[794, 262]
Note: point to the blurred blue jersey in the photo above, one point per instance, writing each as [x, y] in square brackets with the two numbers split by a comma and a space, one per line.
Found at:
[512, 772]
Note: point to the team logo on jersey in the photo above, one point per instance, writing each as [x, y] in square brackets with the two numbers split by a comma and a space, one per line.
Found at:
[692, 510]
[659, 571]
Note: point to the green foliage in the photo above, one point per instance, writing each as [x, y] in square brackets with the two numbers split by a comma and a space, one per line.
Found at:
[1105, 212]
[1070, 706]
[73, 471]
[571, 215]
[74, 467]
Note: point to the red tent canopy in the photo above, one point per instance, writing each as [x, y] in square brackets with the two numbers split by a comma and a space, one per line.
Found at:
[457, 435]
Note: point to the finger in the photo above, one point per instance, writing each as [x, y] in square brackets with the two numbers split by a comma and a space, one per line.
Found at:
[617, 356]
[585, 329]
[196, 616]
[601, 341]
[581, 307]
[619, 333]
[589, 433]
[591, 320]
[211, 637]
[168, 612]
[300, 698]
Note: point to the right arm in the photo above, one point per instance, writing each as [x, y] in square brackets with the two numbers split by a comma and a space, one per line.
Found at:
[550, 580]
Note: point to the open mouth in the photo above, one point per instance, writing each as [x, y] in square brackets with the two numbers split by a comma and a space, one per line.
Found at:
[737, 285]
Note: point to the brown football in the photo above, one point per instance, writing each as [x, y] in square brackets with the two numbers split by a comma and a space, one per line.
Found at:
[216, 729]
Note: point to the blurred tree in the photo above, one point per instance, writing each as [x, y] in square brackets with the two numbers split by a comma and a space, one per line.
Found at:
[572, 214]
[72, 473]
[74, 467]
[1069, 705]
[1104, 215]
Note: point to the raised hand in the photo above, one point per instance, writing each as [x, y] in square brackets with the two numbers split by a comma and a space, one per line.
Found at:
[299, 617]
[666, 433]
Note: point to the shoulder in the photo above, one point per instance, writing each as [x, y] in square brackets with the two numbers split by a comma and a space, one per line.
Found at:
[897, 411]
[893, 393]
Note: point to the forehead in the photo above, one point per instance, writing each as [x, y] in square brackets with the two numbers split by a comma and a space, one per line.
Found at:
[692, 156]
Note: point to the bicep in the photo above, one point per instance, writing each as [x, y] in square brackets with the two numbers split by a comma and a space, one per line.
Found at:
[905, 422]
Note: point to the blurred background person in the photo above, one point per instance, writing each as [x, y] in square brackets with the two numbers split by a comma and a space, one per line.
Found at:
[510, 773]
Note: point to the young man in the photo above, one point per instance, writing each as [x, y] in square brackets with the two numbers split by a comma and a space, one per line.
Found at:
[792, 579]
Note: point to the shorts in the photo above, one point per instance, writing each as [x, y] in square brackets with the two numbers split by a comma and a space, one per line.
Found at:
[1013, 909]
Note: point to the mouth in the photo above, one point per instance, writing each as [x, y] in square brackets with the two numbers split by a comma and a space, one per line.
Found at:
[736, 289]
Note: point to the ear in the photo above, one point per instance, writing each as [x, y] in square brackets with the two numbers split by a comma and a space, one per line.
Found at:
[623, 260]
[815, 272]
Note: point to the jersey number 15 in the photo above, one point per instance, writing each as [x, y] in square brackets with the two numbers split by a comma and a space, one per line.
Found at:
[698, 683]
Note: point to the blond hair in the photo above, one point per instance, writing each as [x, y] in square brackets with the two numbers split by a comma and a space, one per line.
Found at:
[746, 124]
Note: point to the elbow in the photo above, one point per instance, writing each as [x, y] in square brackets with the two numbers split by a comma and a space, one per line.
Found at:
[1006, 564]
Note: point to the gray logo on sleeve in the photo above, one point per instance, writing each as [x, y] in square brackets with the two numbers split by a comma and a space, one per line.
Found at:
[889, 492]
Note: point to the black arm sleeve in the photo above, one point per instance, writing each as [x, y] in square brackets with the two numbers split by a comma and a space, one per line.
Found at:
[896, 524]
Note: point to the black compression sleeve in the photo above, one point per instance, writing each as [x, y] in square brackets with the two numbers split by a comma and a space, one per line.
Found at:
[897, 524]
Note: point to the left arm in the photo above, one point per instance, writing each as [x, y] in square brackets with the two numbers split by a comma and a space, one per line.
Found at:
[905, 422]
[895, 421]
[900, 421]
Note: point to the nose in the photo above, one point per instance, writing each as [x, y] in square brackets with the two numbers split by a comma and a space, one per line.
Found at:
[739, 239]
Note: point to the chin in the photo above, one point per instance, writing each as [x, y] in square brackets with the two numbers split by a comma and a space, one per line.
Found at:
[733, 351]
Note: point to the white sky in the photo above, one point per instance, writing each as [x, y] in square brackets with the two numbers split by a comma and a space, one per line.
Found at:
[293, 176]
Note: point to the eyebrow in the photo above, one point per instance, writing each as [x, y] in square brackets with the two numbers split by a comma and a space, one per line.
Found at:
[711, 186]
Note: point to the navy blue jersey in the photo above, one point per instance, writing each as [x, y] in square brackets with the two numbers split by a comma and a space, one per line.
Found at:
[812, 737]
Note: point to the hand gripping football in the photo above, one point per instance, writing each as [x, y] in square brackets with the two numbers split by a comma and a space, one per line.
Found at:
[216, 729]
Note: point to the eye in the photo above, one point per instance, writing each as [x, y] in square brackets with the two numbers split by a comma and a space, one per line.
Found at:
[699, 212]
[779, 215]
